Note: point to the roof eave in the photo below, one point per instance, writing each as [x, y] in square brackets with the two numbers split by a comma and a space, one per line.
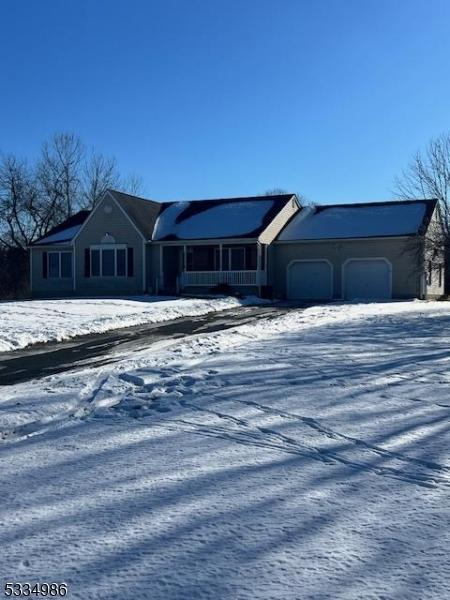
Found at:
[183, 242]
[350, 239]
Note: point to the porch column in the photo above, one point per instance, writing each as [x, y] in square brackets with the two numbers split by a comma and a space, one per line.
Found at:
[161, 269]
[184, 269]
[266, 264]
[220, 257]
[258, 266]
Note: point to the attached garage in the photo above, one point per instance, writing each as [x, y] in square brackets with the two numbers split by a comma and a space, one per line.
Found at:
[366, 279]
[310, 280]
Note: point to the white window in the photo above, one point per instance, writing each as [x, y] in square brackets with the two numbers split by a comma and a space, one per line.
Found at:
[59, 265]
[233, 258]
[108, 260]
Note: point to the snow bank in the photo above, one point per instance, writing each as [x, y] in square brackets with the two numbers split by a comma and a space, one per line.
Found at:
[25, 323]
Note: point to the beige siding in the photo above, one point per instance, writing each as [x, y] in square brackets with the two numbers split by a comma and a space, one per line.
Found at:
[435, 289]
[47, 287]
[403, 254]
[153, 260]
[118, 225]
[282, 218]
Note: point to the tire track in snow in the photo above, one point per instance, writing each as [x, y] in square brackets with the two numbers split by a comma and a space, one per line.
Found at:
[271, 439]
[335, 435]
[85, 406]
[244, 432]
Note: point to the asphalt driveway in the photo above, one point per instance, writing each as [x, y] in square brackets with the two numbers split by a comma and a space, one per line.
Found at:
[47, 359]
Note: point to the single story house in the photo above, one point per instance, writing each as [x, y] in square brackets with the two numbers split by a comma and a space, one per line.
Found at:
[259, 244]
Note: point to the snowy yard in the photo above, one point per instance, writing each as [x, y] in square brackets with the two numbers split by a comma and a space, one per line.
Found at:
[302, 458]
[25, 323]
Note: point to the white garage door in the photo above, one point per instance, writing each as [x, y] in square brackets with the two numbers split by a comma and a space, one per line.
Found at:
[310, 280]
[367, 279]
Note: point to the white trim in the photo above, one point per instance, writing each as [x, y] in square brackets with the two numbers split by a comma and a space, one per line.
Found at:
[211, 278]
[108, 246]
[144, 267]
[101, 248]
[258, 265]
[60, 252]
[96, 207]
[309, 260]
[343, 240]
[63, 247]
[293, 199]
[108, 239]
[89, 217]
[207, 242]
[161, 267]
[359, 259]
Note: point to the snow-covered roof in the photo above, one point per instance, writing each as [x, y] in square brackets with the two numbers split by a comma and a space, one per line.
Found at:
[376, 219]
[214, 219]
[65, 231]
[61, 236]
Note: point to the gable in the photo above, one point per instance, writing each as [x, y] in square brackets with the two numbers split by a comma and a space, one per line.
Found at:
[108, 221]
[142, 212]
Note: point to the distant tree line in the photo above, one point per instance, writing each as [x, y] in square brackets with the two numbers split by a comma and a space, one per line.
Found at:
[66, 177]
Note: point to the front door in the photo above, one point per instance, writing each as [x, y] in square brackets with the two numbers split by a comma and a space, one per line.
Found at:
[172, 256]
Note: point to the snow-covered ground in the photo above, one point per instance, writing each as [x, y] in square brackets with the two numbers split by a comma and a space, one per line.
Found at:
[302, 458]
[25, 323]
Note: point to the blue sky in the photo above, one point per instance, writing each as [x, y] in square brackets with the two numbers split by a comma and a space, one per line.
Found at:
[208, 98]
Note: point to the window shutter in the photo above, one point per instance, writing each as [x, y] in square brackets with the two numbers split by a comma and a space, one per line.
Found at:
[44, 265]
[130, 261]
[87, 262]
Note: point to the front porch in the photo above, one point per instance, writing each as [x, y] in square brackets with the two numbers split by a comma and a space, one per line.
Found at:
[214, 278]
[206, 265]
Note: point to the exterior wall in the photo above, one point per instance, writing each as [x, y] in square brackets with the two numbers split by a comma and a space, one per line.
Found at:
[403, 254]
[152, 264]
[49, 287]
[282, 218]
[116, 224]
[434, 289]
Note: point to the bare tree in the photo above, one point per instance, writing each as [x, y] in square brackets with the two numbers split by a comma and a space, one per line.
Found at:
[19, 206]
[132, 184]
[275, 192]
[428, 176]
[99, 174]
[34, 197]
[59, 170]
[304, 201]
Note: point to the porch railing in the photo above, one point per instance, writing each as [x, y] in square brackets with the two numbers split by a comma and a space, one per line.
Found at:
[212, 278]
